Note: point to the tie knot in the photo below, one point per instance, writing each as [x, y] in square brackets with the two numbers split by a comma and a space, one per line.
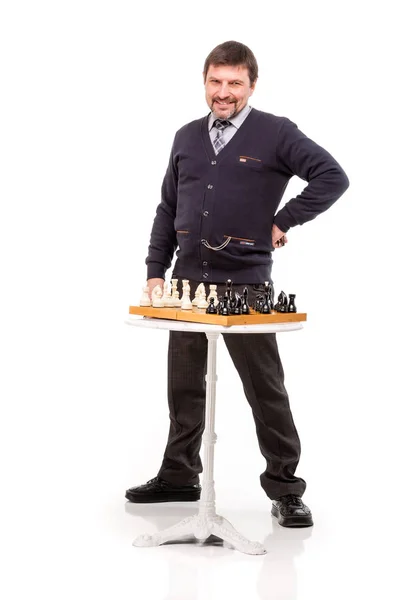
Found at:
[221, 124]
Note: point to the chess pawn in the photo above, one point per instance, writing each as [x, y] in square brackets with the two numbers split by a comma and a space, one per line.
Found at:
[156, 297]
[224, 307]
[145, 299]
[211, 310]
[186, 303]
[175, 294]
[169, 300]
[266, 310]
[202, 303]
[292, 307]
[165, 293]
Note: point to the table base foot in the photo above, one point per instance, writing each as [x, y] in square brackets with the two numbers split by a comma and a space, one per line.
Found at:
[201, 528]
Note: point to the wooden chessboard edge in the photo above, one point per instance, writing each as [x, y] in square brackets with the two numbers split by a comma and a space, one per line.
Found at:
[201, 317]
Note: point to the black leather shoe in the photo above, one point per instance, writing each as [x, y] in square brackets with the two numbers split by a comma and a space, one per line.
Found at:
[159, 490]
[291, 511]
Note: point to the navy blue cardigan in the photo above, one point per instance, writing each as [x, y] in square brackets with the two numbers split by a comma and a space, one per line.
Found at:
[219, 210]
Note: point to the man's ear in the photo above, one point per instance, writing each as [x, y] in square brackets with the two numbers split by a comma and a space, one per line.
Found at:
[253, 87]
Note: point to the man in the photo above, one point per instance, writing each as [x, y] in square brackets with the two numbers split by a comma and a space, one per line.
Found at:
[226, 177]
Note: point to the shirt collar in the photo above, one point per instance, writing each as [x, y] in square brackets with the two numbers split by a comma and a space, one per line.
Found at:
[236, 121]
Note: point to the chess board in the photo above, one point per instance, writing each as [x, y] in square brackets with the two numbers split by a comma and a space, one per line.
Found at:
[197, 316]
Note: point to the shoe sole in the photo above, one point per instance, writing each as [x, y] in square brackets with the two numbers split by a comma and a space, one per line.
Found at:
[170, 497]
[291, 521]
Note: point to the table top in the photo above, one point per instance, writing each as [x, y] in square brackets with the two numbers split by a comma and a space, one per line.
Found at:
[151, 323]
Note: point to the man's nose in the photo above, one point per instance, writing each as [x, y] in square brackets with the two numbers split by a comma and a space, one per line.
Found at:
[223, 91]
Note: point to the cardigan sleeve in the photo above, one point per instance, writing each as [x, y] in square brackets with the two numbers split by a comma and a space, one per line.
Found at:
[163, 241]
[298, 155]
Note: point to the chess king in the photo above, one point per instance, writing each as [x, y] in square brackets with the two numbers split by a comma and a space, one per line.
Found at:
[226, 176]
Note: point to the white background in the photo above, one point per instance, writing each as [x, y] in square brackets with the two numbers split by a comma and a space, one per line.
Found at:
[91, 96]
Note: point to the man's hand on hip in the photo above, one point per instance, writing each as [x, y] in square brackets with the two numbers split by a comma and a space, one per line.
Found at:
[279, 238]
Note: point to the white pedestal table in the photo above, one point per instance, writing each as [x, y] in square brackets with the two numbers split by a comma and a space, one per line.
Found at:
[207, 522]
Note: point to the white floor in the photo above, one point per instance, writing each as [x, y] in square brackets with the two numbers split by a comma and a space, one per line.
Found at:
[74, 444]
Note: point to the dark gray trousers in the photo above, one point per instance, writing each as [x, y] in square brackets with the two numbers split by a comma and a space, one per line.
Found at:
[257, 361]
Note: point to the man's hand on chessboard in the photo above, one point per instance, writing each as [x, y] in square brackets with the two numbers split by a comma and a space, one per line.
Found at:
[151, 283]
[279, 238]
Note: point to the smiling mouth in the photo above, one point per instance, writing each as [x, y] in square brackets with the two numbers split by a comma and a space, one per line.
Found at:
[223, 103]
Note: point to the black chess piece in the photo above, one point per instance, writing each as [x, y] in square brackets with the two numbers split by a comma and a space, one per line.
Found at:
[237, 309]
[283, 304]
[245, 303]
[211, 309]
[225, 307]
[292, 307]
[270, 295]
[229, 294]
[266, 309]
[259, 302]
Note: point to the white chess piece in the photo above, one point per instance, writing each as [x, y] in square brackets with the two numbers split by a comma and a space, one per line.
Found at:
[175, 293]
[156, 297]
[197, 295]
[202, 303]
[213, 294]
[169, 299]
[145, 299]
[186, 303]
[165, 295]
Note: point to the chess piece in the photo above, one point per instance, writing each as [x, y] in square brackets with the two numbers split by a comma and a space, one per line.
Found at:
[292, 307]
[211, 309]
[169, 300]
[282, 304]
[145, 298]
[197, 294]
[175, 293]
[213, 294]
[266, 309]
[269, 292]
[186, 303]
[165, 293]
[245, 302]
[229, 293]
[156, 297]
[237, 305]
[202, 301]
[225, 307]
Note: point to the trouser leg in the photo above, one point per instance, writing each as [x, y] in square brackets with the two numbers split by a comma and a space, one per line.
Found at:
[257, 361]
[187, 363]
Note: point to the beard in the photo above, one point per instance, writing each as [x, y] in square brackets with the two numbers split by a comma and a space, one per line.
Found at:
[227, 115]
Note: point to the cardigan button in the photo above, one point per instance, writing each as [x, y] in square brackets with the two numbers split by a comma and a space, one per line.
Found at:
[210, 186]
[205, 275]
[213, 162]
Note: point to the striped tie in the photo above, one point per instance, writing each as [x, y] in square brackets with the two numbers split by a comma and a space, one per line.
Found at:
[218, 142]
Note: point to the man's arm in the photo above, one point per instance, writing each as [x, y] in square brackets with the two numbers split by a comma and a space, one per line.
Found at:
[163, 241]
[298, 155]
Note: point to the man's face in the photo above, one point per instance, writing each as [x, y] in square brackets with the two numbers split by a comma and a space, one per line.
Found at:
[227, 90]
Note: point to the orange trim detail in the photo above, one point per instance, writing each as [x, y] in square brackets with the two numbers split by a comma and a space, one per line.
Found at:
[180, 231]
[250, 158]
[237, 238]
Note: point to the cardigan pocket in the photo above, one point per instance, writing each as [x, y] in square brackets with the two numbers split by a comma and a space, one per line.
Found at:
[251, 162]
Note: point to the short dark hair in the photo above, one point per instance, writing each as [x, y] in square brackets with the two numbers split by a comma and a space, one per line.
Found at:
[233, 54]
